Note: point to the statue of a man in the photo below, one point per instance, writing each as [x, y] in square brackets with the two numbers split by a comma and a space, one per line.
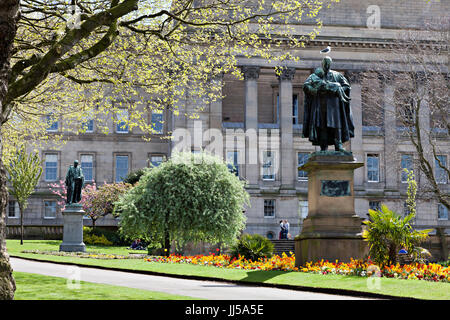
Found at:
[74, 183]
[327, 115]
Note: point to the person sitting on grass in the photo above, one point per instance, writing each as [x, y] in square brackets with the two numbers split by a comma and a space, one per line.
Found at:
[137, 245]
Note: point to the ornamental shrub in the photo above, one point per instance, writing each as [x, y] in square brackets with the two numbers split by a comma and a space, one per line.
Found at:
[190, 197]
[252, 247]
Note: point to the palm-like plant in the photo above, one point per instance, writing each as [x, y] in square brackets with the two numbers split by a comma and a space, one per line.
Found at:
[387, 232]
[253, 247]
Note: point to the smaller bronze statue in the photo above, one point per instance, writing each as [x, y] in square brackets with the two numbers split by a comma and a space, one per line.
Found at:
[74, 183]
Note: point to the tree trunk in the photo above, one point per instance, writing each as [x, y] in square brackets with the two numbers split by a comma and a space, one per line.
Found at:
[9, 15]
[21, 224]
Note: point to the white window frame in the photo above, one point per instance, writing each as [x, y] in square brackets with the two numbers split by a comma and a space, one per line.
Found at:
[440, 205]
[402, 173]
[47, 120]
[93, 166]
[298, 165]
[16, 209]
[236, 156]
[375, 155]
[271, 167]
[158, 112]
[163, 156]
[123, 112]
[274, 209]
[45, 209]
[115, 166]
[438, 168]
[45, 167]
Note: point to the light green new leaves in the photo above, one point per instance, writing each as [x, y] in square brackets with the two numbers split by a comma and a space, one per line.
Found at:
[24, 172]
[194, 196]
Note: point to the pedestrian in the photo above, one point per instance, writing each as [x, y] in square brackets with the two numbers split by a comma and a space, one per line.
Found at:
[286, 229]
[281, 235]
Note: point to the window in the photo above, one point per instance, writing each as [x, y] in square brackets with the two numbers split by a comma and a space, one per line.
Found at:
[295, 112]
[156, 160]
[52, 124]
[406, 163]
[88, 126]
[233, 162]
[122, 121]
[269, 208]
[302, 158]
[268, 165]
[295, 119]
[303, 209]
[373, 168]
[49, 209]
[442, 212]
[439, 167]
[51, 167]
[375, 205]
[87, 165]
[158, 121]
[13, 209]
[121, 168]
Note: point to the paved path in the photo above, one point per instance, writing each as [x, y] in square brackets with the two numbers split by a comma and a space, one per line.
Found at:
[193, 288]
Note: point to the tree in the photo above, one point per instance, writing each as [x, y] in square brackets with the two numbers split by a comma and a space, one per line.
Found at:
[418, 67]
[99, 202]
[387, 232]
[9, 15]
[24, 174]
[82, 59]
[191, 197]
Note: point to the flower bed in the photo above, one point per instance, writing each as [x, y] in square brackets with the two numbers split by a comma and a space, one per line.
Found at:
[91, 255]
[431, 272]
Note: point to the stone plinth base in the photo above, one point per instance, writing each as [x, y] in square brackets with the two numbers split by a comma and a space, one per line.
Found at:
[332, 230]
[331, 248]
[73, 229]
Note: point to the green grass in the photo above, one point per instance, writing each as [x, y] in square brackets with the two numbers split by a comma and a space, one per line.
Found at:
[394, 287]
[38, 287]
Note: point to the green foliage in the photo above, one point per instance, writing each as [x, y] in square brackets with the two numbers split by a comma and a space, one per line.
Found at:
[134, 176]
[24, 172]
[111, 237]
[191, 197]
[387, 232]
[411, 192]
[252, 247]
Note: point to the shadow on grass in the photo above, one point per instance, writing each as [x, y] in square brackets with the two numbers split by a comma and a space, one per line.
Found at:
[262, 276]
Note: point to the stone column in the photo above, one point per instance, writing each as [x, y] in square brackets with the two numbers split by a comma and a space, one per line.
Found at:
[356, 143]
[73, 229]
[287, 168]
[391, 161]
[251, 75]
[215, 108]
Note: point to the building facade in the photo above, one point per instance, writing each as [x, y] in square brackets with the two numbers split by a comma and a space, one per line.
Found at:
[262, 115]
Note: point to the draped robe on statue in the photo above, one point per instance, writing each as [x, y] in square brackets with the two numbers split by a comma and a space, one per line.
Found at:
[333, 101]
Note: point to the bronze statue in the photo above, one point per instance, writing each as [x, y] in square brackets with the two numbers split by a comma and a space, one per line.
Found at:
[74, 183]
[327, 115]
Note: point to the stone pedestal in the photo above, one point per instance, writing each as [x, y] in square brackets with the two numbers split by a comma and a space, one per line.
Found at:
[332, 230]
[73, 229]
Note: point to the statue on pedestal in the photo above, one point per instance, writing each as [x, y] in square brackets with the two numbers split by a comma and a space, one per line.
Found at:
[327, 114]
[74, 183]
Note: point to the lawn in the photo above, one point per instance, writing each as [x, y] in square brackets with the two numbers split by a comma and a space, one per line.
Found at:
[38, 287]
[395, 287]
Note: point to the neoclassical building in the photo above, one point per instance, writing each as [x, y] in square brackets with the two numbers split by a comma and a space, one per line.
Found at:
[260, 121]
